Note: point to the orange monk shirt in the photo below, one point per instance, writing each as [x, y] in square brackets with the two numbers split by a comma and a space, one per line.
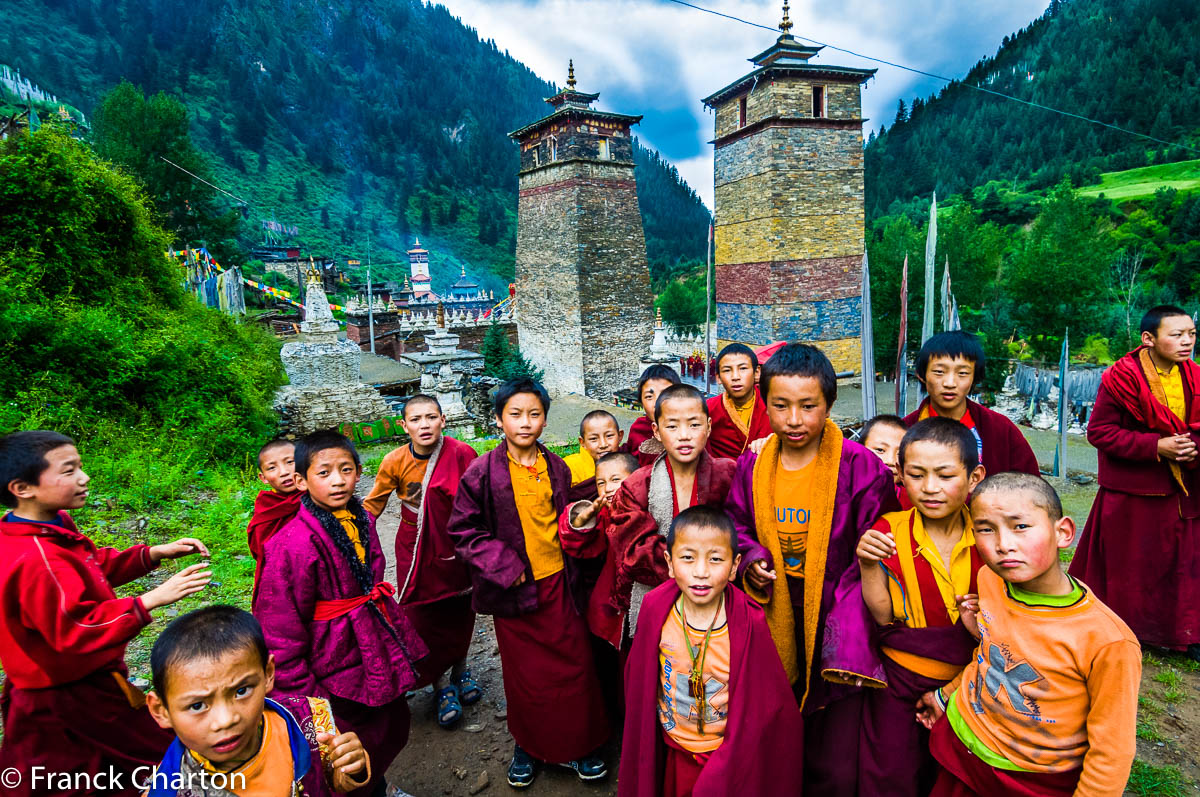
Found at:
[535, 506]
[678, 711]
[269, 773]
[401, 472]
[793, 497]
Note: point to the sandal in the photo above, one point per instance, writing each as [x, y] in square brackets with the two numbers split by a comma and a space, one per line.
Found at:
[449, 709]
[469, 691]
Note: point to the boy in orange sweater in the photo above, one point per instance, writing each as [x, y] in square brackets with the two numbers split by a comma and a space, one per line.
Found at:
[1048, 705]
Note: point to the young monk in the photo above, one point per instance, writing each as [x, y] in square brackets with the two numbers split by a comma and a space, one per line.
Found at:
[641, 441]
[914, 565]
[67, 704]
[434, 585]
[505, 527]
[738, 414]
[882, 434]
[599, 434]
[800, 507]
[709, 708]
[212, 673]
[329, 617]
[273, 508]
[1048, 704]
[642, 510]
[949, 366]
[1144, 427]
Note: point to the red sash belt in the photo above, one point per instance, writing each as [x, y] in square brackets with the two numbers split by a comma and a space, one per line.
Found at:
[329, 610]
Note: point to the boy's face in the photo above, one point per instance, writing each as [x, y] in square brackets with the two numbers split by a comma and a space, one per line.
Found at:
[600, 436]
[277, 468]
[701, 561]
[1016, 538]
[737, 376]
[330, 479]
[215, 706]
[797, 410]
[884, 440]
[1175, 340]
[948, 381]
[609, 477]
[936, 479]
[424, 423]
[62, 485]
[523, 420]
[683, 427]
[650, 392]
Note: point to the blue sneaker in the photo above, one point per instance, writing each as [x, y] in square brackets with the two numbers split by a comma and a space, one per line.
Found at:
[590, 767]
[522, 770]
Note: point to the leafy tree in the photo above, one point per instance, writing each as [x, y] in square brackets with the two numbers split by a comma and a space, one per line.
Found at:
[682, 304]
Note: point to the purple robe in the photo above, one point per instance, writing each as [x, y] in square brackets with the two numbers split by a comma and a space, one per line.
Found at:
[363, 666]
[764, 728]
[832, 711]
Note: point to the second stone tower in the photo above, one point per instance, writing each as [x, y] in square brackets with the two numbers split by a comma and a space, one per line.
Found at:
[584, 305]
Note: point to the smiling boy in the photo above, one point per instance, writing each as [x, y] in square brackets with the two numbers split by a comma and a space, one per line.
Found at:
[599, 434]
[273, 508]
[950, 366]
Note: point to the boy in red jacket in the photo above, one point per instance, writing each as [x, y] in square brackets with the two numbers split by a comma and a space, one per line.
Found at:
[273, 508]
[67, 704]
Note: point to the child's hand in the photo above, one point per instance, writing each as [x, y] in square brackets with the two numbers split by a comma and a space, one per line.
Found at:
[968, 612]
[758, 445]
[186, 582]
[928, 710]
[173, 550]
[347, 759]
[520, 580]
[875, 546]
[758, 575]
[1179, 448]
[588, 510]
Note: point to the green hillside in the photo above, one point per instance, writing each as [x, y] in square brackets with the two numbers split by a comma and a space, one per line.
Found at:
[1143, 183]
[351, 119]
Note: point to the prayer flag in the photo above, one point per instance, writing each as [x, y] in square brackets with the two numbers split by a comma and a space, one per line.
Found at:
[902, 345]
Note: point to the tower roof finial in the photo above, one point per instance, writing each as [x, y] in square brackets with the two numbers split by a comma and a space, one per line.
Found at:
[571, 74]
[785, 25]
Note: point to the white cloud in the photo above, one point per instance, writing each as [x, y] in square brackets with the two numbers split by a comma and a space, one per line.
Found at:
[659, 59]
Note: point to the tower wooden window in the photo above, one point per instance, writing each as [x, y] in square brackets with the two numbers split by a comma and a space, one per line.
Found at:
[742, 112]
[553, 148]
[818, 105]
[602, 149]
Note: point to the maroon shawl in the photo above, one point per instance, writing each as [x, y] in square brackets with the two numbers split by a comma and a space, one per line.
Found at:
[764, 734]
[726, 438]
[272, 511]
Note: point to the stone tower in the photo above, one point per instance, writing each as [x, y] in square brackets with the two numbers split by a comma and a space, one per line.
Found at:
[789, 202]
[584, 306]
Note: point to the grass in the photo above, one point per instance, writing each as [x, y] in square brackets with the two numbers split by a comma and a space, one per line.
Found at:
[1161, 781]
[1143, 182]
[1147, 730]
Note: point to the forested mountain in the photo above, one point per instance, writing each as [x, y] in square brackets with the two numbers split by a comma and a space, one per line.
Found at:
[347, 118]
[1129, 63]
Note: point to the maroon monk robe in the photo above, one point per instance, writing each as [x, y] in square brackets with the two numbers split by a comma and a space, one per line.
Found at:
[555, 709]
[640, 516]
[1004, 447]
[963, 774]
[641, 442]
[1140, 549]
[272, 511]
[727, 438]
[434, 586]
[763, 733]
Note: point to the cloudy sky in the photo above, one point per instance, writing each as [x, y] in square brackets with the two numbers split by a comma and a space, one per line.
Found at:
[656, 58]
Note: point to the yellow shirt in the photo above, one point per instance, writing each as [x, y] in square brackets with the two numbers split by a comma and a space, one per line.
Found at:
[678, 711]
[950, 582]
[747, 412]
[535, 506]
[793, 493]
[346, 518]
[582, 466]
[1172, 382]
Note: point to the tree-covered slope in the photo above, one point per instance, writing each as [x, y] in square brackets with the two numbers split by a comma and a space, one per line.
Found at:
[348, 118]
[1129, 63]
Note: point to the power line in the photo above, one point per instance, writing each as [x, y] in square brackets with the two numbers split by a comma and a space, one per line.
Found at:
[935, 76]
[206, 182]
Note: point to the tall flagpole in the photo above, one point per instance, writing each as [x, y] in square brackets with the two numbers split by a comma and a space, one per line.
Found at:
[868, 345]
[902, 346]
[708, 311]
[927, 325]
[1064, 401]
[370, 296]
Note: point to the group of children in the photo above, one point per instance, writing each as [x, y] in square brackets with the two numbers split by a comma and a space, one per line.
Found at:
[753, 602]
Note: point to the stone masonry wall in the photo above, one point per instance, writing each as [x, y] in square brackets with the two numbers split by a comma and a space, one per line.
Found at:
[584, 286]
[788, 97]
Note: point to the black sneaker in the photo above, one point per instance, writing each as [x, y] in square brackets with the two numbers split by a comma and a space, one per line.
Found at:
[1193, 652]
[590, 767]
[522, 770]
